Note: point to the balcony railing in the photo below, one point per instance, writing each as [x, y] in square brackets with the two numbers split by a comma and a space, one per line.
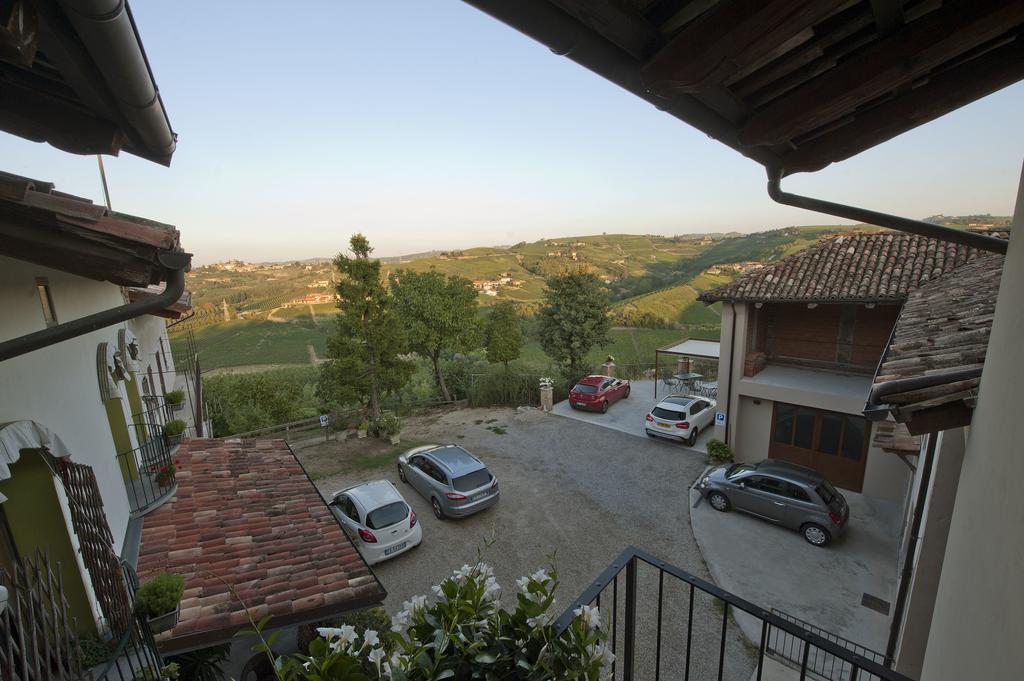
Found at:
[661, 619]
[135, 655]
[148, 470]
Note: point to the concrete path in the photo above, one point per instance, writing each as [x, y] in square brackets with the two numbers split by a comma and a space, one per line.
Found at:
[627, 416]
[775, 568]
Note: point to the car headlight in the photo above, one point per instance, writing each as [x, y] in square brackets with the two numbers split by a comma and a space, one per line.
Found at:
[704, 482]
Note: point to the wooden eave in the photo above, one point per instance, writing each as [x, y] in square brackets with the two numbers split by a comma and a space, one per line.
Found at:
[793, 84]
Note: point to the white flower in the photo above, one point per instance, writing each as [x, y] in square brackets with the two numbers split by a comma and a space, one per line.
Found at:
[491, 589]
[370, 638]
[348, 635]
[524, 584]
[591, 617]
[328, 633]
[438, 591]
[540, 620]
[541, 577]
[306, 664]
[400, 622]
[375, 656]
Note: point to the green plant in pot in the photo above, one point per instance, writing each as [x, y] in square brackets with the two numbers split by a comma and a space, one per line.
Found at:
[718, 452]
[175, 399]
[364, 426]
[174, 430]
[159, 600]
[388, 426]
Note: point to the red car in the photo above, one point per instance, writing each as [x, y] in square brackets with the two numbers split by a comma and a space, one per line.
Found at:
[597, 392]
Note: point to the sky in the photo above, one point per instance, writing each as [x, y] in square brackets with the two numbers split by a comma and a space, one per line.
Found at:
[429, 125]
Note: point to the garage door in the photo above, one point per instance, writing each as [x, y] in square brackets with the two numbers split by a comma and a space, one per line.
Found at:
[831, 443]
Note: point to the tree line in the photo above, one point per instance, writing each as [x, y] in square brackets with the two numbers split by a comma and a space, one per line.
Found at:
[381, 326]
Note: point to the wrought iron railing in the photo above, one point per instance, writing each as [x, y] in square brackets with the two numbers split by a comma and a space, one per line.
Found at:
[148, 471]
[135, 655]
[827, 666]
[661, 619]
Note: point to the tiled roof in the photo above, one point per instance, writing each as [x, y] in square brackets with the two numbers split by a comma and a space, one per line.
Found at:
[856, 268]
[944, 327]
[245, 514]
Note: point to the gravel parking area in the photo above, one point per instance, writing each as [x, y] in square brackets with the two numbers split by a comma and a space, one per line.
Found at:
[572, 495]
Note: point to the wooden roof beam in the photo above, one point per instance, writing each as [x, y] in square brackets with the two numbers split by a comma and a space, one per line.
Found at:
[907, 55]
[942, 93]
[888, 16]
[731, 36]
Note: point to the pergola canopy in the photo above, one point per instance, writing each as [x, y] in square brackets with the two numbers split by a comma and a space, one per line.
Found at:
[692, 347]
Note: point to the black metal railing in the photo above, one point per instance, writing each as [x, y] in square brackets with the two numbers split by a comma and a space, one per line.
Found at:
[148, 470]
[135, 656]
[661, 619]
[826, 665]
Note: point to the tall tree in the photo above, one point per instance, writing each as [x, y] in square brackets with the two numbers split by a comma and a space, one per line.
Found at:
[438, 313]
[503, 337]
[573, 319]
[366, 347]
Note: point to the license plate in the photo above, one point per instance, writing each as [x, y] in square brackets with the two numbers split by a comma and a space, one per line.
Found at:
[394, 549]
[664, 425]
[478, 497]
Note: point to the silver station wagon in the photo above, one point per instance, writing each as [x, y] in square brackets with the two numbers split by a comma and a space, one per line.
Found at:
[781, 492]
[455, 482]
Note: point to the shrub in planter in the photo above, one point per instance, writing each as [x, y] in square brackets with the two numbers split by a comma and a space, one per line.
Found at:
[387, 426]
[164, 473]
[364, 426]
[159, 598]
[175, 399]
[465, 633]
[174, 430]
[94, 652]
[718, 451]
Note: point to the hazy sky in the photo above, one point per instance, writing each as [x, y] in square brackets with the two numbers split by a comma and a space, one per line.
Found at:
[426, 124]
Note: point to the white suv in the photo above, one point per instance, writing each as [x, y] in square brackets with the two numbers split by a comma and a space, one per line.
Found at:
[681, 417]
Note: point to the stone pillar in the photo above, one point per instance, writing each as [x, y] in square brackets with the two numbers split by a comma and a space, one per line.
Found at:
[683, 365]
[609, 368]
[547, 398]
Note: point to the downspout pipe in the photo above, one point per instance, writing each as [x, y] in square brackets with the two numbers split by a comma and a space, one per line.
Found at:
[728, 386]
[907, 570]
[959, 236]
[108, 31]
[174, 264]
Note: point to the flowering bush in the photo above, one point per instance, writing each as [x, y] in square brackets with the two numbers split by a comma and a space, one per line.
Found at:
[546, 382]
[464, 633]
[164, 473]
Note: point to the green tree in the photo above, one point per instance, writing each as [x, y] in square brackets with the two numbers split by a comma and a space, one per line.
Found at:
[365, 351]
[573, 319]
[438, 314]
[503, 337]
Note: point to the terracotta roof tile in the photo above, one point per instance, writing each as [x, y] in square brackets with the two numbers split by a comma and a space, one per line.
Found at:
[859, 267]
[246, 513]
[944, 327]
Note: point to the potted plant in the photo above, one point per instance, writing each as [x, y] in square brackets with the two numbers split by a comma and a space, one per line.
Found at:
[364, 425]
[174, 431]
[159, 600]
[718, 452]
[164, 473]
[175, 400]
[389, 426]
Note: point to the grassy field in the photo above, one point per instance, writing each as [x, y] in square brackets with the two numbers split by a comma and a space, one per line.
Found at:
[249, 342]
[678, 303]
[628, 346]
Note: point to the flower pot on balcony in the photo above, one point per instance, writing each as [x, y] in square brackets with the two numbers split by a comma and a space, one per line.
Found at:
[174, 440]
[165, 622]
[175, 406]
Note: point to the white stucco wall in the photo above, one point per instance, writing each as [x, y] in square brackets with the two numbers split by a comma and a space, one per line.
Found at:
[57, 386]
[149, 330]
[978, 625]
[754, 427]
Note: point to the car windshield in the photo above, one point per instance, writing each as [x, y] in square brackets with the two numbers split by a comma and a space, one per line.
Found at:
[386, 516]
[827, 492]
[738, 469]
[668, 414]
[471, 481]
[584, 388]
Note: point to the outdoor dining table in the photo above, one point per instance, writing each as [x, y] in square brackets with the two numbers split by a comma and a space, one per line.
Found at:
[685, 380]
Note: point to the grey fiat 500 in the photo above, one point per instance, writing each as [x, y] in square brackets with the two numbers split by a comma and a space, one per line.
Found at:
[781, 492]
[455, 482]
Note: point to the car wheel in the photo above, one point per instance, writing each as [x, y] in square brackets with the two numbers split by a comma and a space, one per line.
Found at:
[625, 395]
[604, 407]
[816, 534]
[436, 505]
[693, 438]
[719, 501]
[401, 475]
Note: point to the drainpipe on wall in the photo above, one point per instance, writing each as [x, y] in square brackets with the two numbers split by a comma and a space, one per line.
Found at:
[728, 385]
[174, 264]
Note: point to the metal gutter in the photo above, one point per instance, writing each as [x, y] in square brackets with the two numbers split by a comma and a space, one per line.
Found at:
[959, 236]
[108, 31]
[175, 265]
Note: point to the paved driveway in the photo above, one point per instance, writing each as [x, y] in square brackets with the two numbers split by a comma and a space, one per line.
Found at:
[579, 495]
[627, 416]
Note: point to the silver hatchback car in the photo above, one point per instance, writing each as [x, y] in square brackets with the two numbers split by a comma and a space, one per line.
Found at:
[455, 482]
[781, 492]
